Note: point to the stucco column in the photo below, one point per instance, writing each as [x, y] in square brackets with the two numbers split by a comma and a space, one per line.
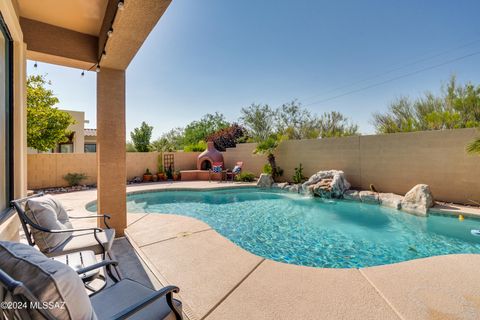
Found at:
[111, 156]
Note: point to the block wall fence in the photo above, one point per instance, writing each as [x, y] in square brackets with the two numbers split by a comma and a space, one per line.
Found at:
[393, 162]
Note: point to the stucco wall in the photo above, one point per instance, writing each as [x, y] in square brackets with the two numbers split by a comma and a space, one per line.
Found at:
[47, 170]
[393, 163]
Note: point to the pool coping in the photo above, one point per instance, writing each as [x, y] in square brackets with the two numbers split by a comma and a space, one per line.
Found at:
[384, 296]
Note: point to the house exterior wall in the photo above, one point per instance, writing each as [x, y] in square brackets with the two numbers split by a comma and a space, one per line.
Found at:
[9, 225]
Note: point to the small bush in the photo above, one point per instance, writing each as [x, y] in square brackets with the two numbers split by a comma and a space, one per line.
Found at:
[74, 179]
[200, 146]
[298, 177]
[245, 177]
[267, 168]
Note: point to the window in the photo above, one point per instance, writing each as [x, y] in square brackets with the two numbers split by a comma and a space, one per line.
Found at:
[65, 148]
[90, 147]
[6, 118]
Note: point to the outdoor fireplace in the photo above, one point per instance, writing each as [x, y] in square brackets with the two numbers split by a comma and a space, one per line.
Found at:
[206, 159]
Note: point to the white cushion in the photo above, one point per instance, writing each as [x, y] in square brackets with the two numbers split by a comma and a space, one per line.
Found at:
[47, 212]
[48, 280]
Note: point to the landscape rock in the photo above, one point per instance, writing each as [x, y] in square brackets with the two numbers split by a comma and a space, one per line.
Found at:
[281, 185]
[369, 196]
[391, 200]
[265, 181]
[327, 184]
[353, 195]
[418, 200]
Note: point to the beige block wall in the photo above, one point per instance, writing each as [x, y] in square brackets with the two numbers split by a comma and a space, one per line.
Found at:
[47, 170]
[393, 163]
[397, 162]
[244, 152]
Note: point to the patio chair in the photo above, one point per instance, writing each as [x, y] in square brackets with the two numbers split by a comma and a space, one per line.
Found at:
[217, 167]
[32, 286]
[47, 225]
[235, 171]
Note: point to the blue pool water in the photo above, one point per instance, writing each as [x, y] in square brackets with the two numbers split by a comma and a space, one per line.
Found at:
[307, 231]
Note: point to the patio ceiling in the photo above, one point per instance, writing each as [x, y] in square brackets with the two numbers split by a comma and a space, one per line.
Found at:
[87, 17]
[73, 33]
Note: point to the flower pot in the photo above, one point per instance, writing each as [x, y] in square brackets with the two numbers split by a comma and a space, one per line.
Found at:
[147, 177]
[161, 176]
[154, 178]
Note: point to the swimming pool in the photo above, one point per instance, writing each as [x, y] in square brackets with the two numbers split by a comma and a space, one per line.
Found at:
[295, 229]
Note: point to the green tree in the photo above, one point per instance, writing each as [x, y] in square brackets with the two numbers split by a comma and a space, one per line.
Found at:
[335, 124]
[141, 137]
[129, 147]
[295, 122]
[170, 141]
[199, 130]
[46, 126]
[259, 121]
[455, 107]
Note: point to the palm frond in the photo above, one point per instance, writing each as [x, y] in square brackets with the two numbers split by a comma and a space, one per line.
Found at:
[474, 146]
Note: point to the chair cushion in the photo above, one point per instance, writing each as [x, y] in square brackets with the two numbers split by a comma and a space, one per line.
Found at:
[85, 240]
[237, 169]
[48, 280]
[217, 169]
[47, 212]
[125, 293]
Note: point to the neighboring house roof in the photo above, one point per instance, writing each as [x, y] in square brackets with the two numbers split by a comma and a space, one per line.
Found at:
[90, 132]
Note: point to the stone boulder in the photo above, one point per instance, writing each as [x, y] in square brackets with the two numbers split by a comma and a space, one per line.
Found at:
[418, 200]
[369, 196]
[265, 181]
[281, 185]
[352, 195]
[391, 200]
[327, 184]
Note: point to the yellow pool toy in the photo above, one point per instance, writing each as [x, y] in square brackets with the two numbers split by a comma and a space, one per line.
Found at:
[461, 218]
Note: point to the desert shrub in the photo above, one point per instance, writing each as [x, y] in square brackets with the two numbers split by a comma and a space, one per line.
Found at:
[298, 176]
[197, 147]
[267, 168]
[245, 177]
[227, 137]
[74, 179]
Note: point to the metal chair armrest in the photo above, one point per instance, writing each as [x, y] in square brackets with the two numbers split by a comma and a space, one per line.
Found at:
[104, 216]
[91, 216]
[98, 265]
[167, 291]
[75, 230]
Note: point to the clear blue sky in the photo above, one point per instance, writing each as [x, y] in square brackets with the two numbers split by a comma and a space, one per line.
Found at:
[218, 55]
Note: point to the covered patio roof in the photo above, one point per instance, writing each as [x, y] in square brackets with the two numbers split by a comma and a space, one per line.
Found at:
[95, 35]
[74, 33]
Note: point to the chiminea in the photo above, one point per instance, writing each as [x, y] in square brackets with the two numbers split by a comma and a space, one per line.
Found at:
[206, 159]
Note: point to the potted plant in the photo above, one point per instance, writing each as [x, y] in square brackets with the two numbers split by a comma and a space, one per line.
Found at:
[176, 175]
[147, 176]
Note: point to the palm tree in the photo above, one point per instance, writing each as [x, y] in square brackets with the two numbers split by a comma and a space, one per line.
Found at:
[268, 147]
[474, 146]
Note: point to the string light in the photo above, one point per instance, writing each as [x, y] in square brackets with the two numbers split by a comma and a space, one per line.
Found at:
[35, 65]
[97, 69]
[83, 73]
[121, 5]
[110, 32]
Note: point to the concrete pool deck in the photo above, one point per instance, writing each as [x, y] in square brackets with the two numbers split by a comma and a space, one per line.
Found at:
[219, 280]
